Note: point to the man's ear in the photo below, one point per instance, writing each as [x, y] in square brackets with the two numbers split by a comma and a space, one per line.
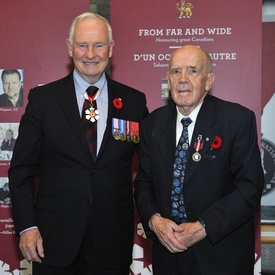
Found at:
[70, 48]
[210, 81]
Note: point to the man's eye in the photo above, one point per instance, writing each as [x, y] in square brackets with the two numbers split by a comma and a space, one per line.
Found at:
[98, 46]
[193, 70]
[82, 46]
[176, 72]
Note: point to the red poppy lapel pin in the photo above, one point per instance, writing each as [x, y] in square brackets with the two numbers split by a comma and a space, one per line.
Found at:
[117, 102]
[216, 143]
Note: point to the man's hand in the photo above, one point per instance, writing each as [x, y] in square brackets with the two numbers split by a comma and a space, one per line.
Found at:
[31, 245]
[165, 230]
[190, 234]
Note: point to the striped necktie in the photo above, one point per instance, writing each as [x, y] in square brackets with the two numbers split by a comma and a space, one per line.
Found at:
[90, 127]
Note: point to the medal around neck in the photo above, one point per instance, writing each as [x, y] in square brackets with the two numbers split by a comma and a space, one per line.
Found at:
[92, 114]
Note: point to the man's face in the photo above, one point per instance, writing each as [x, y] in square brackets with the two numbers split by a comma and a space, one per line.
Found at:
[188, 79]
[90, 49]
[11, 85]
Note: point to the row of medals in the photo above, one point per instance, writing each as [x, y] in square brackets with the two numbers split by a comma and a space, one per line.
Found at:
[121, 136]
[117, 135]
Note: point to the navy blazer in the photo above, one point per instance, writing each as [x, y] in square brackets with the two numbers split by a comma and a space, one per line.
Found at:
[52, 145]
[224, 187]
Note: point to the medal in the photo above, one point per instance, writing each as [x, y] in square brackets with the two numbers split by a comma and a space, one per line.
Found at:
[116, 135]
[196, 156]
[122, 137]
[115, 129]
[134, 131]
[91, 114]
[197, 146]
[122, 126]
[128, 136]
[135, 138]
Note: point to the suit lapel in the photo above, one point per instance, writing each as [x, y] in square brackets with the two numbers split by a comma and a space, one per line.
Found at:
[205, 120]
[112, 112]
[166, 139]
[66, 97]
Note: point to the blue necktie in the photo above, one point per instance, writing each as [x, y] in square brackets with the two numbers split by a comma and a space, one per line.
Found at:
[178, 209]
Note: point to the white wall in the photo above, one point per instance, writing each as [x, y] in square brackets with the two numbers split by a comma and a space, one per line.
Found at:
[268, 11]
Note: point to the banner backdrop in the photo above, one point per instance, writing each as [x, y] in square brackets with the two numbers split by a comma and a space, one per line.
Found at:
[33, 35]
[268, 114]
[147, 32]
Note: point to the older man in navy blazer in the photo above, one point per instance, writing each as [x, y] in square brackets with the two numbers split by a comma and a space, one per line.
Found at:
[221, 185]
[82, 219]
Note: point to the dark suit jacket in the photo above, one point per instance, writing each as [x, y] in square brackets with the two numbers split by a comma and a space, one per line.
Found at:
[224, 187]
[52, 146]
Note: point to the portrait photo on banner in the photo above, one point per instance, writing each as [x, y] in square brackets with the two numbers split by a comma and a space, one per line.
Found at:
[4, 191]
[12, 87]
[8, 135]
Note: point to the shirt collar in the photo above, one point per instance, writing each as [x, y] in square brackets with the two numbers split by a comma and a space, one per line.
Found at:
[193, 115]
[81, 85]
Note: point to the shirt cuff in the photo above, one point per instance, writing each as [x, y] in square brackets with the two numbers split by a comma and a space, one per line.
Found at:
[27, 229]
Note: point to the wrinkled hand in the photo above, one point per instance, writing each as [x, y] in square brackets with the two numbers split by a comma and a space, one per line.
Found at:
[31, 245]
[165, 230]
[190, 234]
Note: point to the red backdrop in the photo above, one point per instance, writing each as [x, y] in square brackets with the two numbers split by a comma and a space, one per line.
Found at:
[147, 32]
[33, 38]
[33, 35]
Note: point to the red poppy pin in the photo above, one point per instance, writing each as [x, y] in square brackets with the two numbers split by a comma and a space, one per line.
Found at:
[118, 103]
[216, 143]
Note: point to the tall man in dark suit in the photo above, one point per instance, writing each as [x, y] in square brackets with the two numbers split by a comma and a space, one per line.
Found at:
[221, 184]
[82, 219]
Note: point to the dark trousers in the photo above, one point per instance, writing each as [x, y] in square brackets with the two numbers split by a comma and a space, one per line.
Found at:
[186, 263]
[166, 263]
[86, 262]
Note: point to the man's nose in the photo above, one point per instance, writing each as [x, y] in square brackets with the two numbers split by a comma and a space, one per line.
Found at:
[184, 76]
[90, 53]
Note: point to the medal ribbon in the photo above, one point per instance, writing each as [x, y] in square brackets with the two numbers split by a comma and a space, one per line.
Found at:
[122, 126]
[134, 128]
[128, 136]
[91, 99]
[198, 143]
[115, 125]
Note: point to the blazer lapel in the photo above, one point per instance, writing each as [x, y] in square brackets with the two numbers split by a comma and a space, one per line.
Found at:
[167, 138]
[205, 120]
[112, 112]
[66, 97]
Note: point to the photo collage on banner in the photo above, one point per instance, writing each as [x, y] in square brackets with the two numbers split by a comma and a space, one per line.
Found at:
[155, 29]
[11, 103]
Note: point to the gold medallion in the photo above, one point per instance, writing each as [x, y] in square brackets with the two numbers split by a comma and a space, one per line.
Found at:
[122, 137]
